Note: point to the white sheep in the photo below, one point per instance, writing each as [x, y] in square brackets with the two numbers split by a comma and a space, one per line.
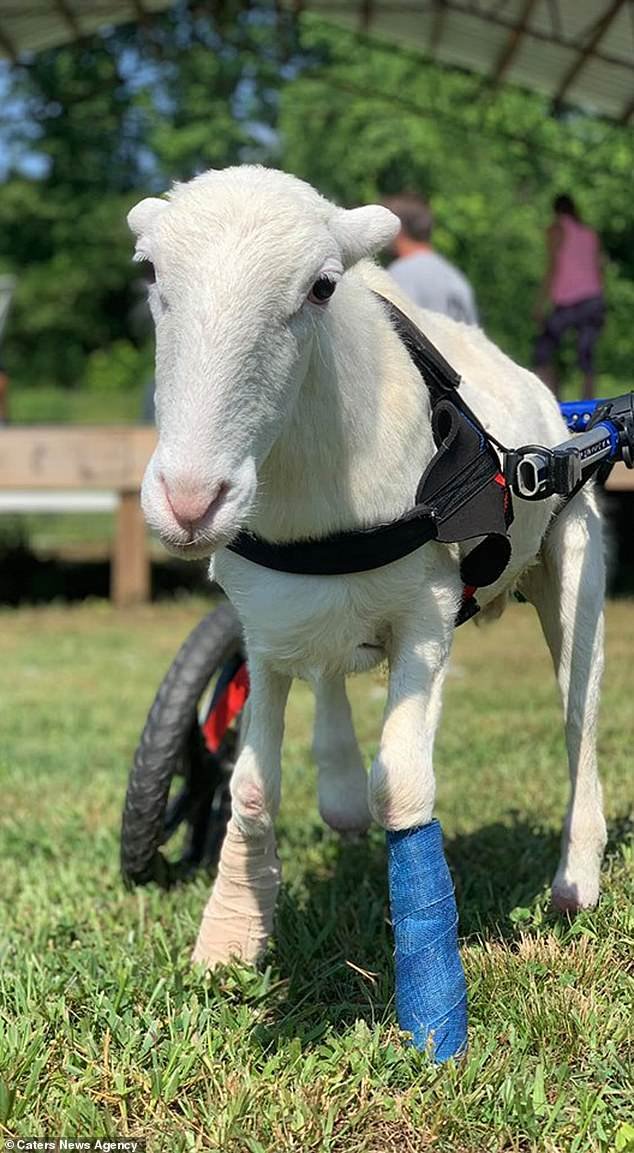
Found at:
[297, 413]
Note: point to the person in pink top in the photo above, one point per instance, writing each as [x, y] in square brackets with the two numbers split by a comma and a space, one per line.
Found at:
[572, 291]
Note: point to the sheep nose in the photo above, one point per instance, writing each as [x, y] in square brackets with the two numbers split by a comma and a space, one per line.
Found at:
[192, 504]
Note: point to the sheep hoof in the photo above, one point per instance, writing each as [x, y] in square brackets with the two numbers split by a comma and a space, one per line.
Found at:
[572, 896]
[347, 815]
[217, 944]
[238, 918]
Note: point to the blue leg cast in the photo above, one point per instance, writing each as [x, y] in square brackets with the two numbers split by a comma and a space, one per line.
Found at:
[431, 994]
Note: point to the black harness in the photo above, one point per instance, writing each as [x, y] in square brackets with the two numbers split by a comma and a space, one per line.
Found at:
[461, 495]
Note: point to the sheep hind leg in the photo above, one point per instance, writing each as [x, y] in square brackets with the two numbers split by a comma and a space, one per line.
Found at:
[567, 589]
[342, 779]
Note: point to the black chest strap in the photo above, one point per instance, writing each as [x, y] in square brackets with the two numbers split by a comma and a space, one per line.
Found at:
[460, 496]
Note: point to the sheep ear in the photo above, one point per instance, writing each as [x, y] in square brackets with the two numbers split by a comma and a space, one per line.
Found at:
[363, 231]
[144, 213]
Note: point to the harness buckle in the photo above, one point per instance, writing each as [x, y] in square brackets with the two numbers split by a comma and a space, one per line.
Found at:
[535, 472]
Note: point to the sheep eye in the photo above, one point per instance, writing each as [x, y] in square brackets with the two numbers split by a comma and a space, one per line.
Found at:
[148, 271]
[322, 290]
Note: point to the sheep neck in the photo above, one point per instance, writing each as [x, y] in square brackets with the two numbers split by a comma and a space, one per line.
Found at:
[358, 437]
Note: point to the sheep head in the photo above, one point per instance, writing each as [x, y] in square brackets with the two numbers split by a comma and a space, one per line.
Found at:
[244, 265]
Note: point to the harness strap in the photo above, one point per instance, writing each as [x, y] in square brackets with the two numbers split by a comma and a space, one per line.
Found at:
[439, 376]
[461, 494]
[356, 550]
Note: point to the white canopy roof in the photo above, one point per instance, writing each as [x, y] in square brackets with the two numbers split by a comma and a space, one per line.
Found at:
[577, 52]
[32, 25]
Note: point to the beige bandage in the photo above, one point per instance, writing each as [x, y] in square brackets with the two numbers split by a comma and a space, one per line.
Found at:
[238, 917]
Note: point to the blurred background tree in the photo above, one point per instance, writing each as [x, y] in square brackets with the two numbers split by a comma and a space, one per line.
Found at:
[371, 121]
[91, 127]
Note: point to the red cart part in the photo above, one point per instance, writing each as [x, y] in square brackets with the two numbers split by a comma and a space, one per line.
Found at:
[227, 708]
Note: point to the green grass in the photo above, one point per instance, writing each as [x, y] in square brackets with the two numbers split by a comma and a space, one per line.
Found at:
[69, 534]
[46, 404]
[104, 1027]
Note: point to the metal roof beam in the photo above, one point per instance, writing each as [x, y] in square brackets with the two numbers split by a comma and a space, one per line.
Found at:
[513, 43]
[598, 32]
[555, 18]
[366, 15]
[7, 46]
[498, 21]
[140, 11]
[69, 18]
[438, 23]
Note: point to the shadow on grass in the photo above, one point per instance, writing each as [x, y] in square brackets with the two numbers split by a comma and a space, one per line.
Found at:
[26, 578]
[334, 946]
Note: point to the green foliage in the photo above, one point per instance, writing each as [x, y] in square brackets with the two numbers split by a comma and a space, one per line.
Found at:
[64, 234]
[118, 368]
[125, 113]
[74, 279]
[113, 118]
[369, 121]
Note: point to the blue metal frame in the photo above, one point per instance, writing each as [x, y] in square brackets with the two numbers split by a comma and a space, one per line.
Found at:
[578, 413]
[536, 472]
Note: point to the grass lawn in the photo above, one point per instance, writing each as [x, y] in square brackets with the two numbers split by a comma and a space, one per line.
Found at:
[106, 1030]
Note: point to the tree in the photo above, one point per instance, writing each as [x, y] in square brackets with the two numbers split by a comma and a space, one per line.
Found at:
[371, 120]
[123, 114]
[110, 119]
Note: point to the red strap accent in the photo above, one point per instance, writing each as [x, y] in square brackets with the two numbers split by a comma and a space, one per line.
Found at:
[500, 479]
[469, 591]
[226, 709]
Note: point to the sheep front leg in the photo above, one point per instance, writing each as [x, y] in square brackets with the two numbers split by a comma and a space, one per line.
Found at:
[430, 984]
[238, 918]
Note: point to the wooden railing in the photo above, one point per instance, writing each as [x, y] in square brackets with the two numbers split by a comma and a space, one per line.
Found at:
[621, 479]
[110, 458]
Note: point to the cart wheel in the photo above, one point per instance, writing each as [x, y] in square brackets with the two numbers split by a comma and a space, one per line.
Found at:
[190, 734]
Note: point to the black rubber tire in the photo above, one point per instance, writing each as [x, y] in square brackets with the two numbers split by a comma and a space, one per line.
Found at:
[170, 728]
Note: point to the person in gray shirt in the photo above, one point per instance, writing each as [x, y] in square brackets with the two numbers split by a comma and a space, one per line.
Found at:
[423, 274]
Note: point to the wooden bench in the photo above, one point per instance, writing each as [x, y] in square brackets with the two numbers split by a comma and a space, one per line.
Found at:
[92, 465]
